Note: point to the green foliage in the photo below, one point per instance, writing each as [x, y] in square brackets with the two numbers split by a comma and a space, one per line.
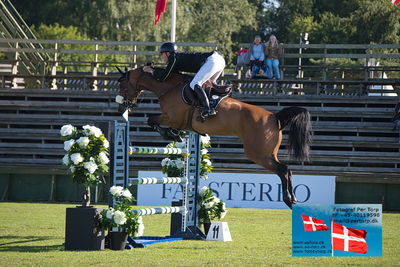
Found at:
[377, 22]
[211, 207]
[301, 25]
[217, 21]
[205, 21]
[333, 29]
[224, 22]
[60, 32]
[87, 154]
[121, 216]
[343, 21]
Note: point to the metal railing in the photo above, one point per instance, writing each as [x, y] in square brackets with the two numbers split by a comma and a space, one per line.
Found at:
[13, 26]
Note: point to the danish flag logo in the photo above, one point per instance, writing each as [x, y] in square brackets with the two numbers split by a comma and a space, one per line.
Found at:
[313, 224]
[348, 239]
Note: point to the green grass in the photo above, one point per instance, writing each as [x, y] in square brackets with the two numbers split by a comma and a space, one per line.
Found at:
[32, 234]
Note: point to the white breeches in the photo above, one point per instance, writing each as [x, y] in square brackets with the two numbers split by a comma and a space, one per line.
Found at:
[210, 70]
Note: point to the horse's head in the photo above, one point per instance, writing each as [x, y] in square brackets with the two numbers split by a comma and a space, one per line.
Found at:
[129, 88]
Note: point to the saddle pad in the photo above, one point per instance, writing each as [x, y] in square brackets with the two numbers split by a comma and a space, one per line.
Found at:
[190, 98]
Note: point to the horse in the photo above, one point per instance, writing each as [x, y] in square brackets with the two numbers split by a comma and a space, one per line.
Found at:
[259, 130]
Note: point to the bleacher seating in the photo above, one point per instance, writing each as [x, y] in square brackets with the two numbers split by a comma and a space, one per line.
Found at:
[353, 136]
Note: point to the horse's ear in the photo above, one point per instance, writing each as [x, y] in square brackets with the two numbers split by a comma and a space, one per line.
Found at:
[120, 71]
[126, 69]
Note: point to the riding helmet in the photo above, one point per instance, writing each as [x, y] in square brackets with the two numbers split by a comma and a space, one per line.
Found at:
[168, 47]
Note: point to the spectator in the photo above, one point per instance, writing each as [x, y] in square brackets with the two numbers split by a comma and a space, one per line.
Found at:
[257, 57]
[273, 52]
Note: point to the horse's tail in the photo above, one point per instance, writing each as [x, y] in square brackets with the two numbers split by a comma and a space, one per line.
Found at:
[299, 133]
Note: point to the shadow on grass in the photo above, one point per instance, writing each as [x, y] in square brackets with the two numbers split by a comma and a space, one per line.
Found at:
[14, 244]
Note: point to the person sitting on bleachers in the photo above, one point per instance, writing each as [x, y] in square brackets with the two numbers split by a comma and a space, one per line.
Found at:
[257, 58]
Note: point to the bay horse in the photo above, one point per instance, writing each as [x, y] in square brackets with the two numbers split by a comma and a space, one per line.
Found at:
[259, 130]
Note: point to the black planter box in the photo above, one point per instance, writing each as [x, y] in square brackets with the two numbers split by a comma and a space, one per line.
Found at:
[81, 229]
[176, 220]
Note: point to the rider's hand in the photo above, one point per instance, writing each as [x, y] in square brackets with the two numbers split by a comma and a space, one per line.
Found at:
[148, 69]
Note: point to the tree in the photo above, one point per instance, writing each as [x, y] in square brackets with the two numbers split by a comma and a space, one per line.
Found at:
[333, 29]
[299, 25]
[224, 19]
[125, 20]
[287, 11]
[376, 22]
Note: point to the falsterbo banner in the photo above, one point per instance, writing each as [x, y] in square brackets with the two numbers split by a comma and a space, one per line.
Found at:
[241, 190]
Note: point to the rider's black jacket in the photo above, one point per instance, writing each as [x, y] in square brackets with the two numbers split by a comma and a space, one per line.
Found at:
[187, 62]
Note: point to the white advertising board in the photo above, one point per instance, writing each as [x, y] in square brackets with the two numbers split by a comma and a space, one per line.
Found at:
[241, 190]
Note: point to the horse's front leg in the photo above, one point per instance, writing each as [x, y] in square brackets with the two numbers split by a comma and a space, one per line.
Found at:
[167, 133]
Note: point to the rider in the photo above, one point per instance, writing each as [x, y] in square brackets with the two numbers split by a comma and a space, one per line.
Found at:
[207, 66]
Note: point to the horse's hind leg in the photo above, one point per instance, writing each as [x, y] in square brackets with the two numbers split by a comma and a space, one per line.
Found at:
[286, 178]
[290, 187]
[272, 164]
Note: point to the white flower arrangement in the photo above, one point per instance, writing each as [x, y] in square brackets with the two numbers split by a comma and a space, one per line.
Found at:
[86, 153]
[121, 215]
[211, 207]
[173, 165]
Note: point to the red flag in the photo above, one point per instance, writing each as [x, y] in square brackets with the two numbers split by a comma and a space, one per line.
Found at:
[348, 239]
[395, 2]
[312, 224]
[161, 5]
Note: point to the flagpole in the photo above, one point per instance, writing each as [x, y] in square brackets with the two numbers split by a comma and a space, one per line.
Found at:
[173, 20]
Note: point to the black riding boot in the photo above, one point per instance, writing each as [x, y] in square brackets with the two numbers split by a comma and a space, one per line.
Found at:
[204, 102]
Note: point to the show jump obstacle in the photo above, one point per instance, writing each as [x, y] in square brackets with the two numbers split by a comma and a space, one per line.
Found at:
[120, 152]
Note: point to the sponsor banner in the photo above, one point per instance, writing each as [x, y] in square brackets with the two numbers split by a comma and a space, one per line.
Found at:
[337, 230]
[241, 190]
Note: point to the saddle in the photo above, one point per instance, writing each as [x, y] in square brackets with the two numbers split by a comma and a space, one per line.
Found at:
[215, 95]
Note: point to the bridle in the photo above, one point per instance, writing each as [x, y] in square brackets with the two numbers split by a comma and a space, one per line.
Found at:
[127, 103]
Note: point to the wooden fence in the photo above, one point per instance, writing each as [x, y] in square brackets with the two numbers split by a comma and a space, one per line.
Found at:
[88, 82]
[312, 61]
[65, 56]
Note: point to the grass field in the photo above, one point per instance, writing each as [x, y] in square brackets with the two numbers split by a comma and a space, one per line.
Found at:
[32, 234]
